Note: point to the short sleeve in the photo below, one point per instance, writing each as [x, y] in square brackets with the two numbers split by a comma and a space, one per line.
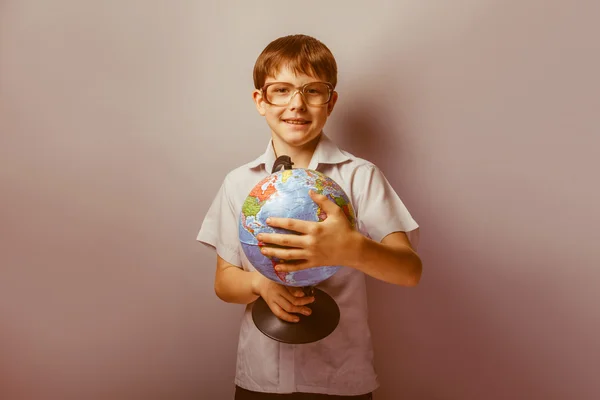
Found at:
[379, 208]
[220, 227]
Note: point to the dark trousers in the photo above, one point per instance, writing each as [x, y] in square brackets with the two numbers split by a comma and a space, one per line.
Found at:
[243, 394]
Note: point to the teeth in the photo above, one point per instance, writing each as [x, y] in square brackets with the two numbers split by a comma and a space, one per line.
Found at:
[296, 122]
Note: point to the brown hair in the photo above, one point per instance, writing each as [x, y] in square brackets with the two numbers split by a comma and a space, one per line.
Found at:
[301, 53]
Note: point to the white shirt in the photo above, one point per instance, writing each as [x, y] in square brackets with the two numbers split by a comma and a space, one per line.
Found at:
[341, 363]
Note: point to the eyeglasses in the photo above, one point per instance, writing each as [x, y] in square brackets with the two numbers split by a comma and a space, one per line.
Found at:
[281, 93]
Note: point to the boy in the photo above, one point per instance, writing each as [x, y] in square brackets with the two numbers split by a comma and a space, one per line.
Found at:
[295, 77]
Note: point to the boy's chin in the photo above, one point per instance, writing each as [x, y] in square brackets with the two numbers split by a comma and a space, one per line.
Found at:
[297, 138]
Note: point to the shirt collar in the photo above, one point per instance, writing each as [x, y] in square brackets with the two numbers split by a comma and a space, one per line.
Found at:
[326, 152]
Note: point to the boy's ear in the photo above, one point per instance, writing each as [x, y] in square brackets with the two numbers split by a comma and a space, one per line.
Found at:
[331, 104]
[259, 102]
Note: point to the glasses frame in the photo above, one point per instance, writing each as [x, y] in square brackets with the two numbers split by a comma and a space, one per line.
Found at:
[300, 90]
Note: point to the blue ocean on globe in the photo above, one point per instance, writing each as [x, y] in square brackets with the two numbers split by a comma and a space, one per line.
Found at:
[285, 194]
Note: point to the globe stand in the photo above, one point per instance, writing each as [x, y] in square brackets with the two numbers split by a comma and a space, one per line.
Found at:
[323, 320]
[325, 313]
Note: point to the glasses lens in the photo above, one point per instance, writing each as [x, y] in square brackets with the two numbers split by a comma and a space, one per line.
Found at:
[316, 93]
[281, 93]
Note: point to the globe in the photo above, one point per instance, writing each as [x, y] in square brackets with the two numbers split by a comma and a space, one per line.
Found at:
[286, 194]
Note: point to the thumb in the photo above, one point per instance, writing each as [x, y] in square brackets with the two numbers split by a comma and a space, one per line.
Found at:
[325, 202]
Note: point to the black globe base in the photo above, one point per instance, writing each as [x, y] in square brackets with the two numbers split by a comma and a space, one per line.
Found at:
[323, 320]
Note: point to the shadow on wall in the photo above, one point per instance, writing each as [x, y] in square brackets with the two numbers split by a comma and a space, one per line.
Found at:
[440, 327]
[12, 383]
[365, 130]
[436, 341]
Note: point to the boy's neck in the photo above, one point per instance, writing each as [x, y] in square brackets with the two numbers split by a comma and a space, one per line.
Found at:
[301, 156]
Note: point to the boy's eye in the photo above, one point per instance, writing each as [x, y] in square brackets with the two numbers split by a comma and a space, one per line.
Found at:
[279, 89]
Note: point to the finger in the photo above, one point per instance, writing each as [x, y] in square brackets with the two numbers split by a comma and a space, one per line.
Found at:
[292, 266]
[295, 291]
[283, 254]
[296, 300]
[304, 301]
[296, 305]
[327, 204]
[279, 239]
[292, 224]
[293, 304]
[280, 313]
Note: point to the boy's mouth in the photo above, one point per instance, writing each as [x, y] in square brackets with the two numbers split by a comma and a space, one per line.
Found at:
[296, 121]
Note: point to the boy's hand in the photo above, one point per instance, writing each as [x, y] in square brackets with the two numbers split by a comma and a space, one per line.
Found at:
[283, 300]
[317, 244]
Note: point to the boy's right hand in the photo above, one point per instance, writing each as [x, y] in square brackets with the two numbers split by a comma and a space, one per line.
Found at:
[282, 300]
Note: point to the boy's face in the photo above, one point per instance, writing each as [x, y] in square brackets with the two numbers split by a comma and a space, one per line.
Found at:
[309, 119]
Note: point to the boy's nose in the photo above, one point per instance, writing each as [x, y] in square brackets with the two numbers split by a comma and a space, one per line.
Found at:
[297, 101]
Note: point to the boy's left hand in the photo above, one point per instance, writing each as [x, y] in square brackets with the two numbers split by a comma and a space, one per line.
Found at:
[316, 244]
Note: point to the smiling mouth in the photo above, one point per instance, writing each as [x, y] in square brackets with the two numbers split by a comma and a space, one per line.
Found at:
[296, 121]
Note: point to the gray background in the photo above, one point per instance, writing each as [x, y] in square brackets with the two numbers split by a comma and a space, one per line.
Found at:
[119, 120]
